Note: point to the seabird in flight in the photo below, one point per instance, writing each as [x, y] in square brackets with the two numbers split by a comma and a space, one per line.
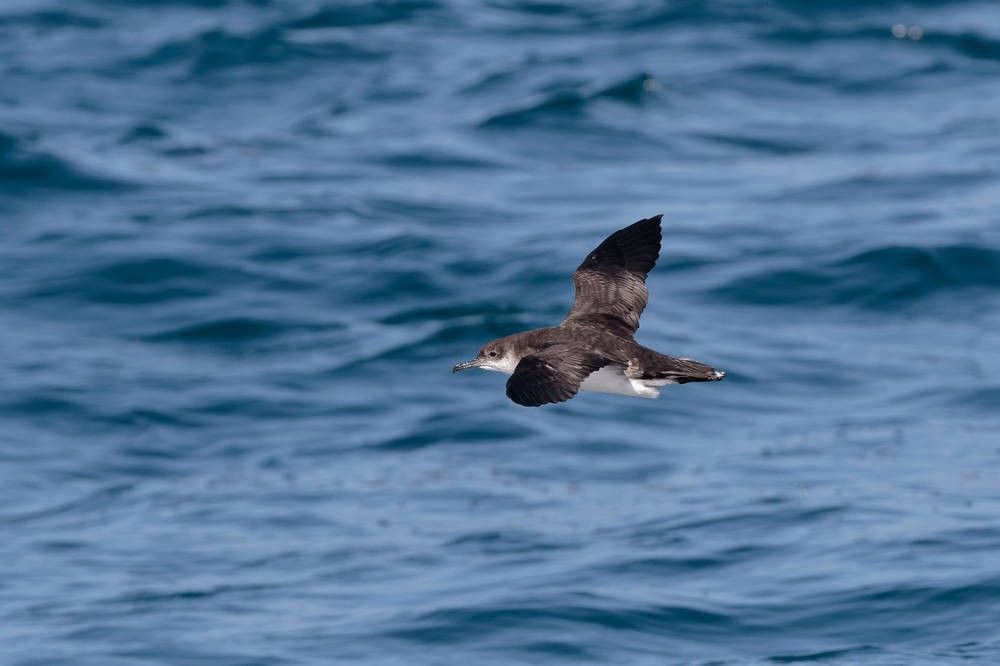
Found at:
[593, 349]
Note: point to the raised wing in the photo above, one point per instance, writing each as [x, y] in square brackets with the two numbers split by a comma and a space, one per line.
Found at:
[611, 281]
[553, 374]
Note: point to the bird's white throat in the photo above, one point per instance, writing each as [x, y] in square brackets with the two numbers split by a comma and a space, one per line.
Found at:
[504, 364]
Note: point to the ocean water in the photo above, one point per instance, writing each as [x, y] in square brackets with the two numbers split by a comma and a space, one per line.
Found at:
[244, 241]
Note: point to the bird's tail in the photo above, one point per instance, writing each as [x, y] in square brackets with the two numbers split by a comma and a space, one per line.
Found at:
[680, 370]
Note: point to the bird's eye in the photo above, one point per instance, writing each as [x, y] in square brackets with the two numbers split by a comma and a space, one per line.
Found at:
[493, 353]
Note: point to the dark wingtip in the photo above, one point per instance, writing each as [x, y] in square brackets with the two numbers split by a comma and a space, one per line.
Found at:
[634, 248]
[652, 221]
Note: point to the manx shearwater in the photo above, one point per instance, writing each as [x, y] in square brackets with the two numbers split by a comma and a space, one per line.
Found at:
[593, 349]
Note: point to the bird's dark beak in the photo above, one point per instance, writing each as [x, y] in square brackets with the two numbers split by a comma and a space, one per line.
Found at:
[474, 363]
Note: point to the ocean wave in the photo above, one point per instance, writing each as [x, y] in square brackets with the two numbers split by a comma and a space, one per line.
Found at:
[51, 18]
[154, 279]
[143, 132]
[971, 44]
[915, 186]
[764, 515]
[451, 429]
[789, 80]
[759, 143]
[965, 43]
[58, 410]
[562, 105]
[449, 313]
[505, 542]
[802, 33]
[220, 50]
[541, 16]
[881, 278]
[985, 400]
[227, 331]
[823, 655]
[460, 625]
[359, 14]
[433, 158]
[787, 73]
[22, 165]
[96, 499]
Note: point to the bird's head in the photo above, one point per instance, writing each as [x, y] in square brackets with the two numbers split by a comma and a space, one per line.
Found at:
[497, 356]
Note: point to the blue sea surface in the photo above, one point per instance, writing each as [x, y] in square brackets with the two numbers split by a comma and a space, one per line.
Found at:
[244, 241]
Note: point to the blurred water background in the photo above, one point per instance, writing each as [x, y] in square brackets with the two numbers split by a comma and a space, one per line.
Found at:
[243, 242]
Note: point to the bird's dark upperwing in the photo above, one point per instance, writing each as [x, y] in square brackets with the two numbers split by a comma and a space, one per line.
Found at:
[553, 374]
[611, 281]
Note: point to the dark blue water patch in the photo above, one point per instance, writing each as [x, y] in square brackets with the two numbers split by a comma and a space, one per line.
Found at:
[825, 655]
[558, 107]
[911, 187]
[155, 279]
[499, 312]
[432, 158]
[236, 331]
[448, 430]
[760, 143]
[45, 405]
[460, 625]
[398, 285]
[789, 81]
[886, 83]
[561, 649]
[398, 207]
[229, 211]
[811, 34]
[903, 611]
[657, 16]
[185, 151]
[85, 503]
[542, 16]
[218, 51]
[251, 408]
[58, 412]
[504, 543]
[635, 90]
[794, 76]
[396, 245]
[144, 132]
[969, 44]
[509, 77]
[985, 400]
[361, 14]
[25, 167]
[984, 539]
[889, 277]
[647, 568]
[51, 19]
[767, 516]
[150, 597]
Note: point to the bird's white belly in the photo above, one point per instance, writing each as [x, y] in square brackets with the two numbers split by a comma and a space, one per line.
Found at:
[612, 379]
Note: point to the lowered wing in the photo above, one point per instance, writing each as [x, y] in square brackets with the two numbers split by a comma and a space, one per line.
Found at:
[553, 374]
